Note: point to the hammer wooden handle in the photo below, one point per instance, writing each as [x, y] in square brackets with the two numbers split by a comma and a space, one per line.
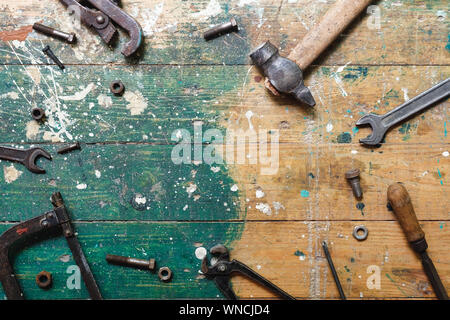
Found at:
[332, 24]
[400, 202]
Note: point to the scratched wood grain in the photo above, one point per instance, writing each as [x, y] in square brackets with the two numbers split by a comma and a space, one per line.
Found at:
[287, 253]
[127, 195]
[398, 32]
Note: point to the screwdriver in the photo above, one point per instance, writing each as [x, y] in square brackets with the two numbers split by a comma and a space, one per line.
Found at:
[400, 202]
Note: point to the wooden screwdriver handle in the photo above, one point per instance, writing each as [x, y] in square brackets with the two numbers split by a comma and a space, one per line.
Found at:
[400, 202]
[330, 27]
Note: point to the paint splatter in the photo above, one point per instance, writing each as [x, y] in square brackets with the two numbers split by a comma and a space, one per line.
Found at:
[344, 137]
[360, 206]
[137, 103]
[301, 256]
[200, 253]
[304, 193]
[11, 174]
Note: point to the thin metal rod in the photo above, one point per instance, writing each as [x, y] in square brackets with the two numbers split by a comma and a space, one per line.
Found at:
[333, 270]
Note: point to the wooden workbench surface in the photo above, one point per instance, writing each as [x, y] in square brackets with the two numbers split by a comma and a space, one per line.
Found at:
[128, 197]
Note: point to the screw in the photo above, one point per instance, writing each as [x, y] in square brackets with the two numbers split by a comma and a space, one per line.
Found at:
[131, 262]
[221, 29]
[72, 147]
[68, 37]
[38, 114]
[352, 177]
[52, 56]
[333, 270]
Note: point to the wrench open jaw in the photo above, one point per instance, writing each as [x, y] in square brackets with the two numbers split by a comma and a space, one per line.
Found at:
[378, 130]
[26, 157]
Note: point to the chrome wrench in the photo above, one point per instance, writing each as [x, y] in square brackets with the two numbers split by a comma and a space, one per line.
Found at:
[25, 157]
[381, 124]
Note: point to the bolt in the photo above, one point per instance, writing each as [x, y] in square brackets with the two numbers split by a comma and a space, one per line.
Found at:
[131, 262]
[352, 177]
[221, 29]
[68, 37]
[38, 114]
[52, 56]
[72, 147]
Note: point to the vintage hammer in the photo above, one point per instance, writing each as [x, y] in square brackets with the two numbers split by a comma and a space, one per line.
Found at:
[285, 74]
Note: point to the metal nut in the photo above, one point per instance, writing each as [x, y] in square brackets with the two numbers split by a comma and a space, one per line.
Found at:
[165, 274]
[38, 114]
[117, 87]
[44, 279]
[357, 232]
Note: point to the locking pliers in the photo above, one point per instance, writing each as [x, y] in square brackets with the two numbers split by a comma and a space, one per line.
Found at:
[222, 270]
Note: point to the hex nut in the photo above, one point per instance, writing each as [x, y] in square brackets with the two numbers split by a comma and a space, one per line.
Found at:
[357, 235]
[117, 87]
[44, 280]
[38, 114]
[165, 274]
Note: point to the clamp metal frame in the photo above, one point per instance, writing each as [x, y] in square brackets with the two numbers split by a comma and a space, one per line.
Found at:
[48, 224]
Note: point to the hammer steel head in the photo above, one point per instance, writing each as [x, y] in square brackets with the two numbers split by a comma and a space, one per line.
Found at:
[284, 74]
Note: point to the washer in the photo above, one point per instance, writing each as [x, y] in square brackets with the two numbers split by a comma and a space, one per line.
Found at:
[357, 230]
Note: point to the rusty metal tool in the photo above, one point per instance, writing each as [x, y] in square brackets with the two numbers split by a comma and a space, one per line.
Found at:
[333, 270]
[51, 223]
[285, 75]
[68, 37]
[131, 262]
[100, 20]
[222, 270]
[221, 29]
[25, 157]
[381, 124]
[400, 202]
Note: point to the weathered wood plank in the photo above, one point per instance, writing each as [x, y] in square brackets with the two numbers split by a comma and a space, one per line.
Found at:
[162, 99]
[120, 182]
[141, 182]
[287, 253]
[174, 31]
[171, 244]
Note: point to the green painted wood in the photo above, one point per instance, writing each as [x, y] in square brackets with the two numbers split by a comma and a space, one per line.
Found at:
[79, 105]
[164, 191]
[171, 244]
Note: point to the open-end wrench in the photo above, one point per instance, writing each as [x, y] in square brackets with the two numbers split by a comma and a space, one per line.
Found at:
[381, 124]
[25, 157]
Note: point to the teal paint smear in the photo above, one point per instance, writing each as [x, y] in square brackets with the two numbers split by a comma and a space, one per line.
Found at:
[448, 43]
[304, 193]
[344, 137]
[399, 289]
[445, 128]
[299, 254]
[355, 130]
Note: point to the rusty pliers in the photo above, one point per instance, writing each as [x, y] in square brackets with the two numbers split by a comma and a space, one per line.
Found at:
[222, 270]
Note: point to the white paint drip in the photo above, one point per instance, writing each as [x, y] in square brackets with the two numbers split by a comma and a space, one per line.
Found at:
[264, 208]
[278, 206]
[32, 129]
[259, 193]
[329, 127]
[104, 101]
[81, 186]
[148, 18]
[445, 153]
[98, 174]
[405, 94]
[191, 189]
[249, 115]
[137, 103]
[11, 174]
[234, 188]
[200, 253]
[140, 199]
[12, 95]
